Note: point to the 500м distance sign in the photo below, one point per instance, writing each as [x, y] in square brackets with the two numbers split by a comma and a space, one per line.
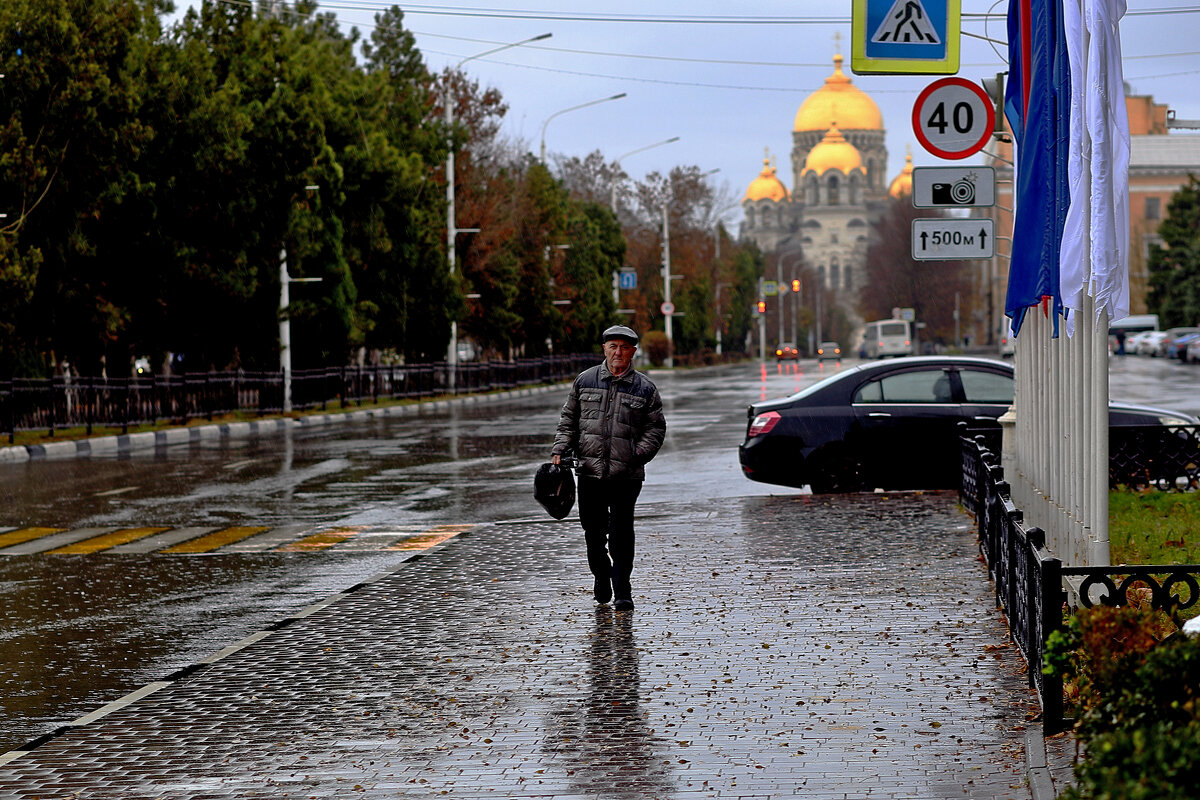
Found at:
[945, 239]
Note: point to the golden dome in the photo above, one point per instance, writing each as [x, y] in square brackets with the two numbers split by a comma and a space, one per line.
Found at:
[839, 100]
[833, 152]
[901, 185]
[766, 185]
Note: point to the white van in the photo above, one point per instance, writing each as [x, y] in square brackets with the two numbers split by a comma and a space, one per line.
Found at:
[887, 337]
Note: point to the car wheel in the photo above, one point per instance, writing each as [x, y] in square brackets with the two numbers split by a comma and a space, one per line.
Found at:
[837, 472]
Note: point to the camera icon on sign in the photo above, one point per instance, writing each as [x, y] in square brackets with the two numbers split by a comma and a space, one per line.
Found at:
[959, 193]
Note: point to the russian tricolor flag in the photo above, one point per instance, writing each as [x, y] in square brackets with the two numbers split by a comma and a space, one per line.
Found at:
[1065, 103]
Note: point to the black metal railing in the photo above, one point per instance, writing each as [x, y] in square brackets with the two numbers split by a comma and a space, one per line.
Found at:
[1026, 576]
[1031, 582]
[1163, 457]
[85, 402]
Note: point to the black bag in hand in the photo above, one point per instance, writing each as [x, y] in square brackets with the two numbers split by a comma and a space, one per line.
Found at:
[554, 488]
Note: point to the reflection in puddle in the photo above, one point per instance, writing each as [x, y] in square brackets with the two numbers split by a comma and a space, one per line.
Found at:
[603, 740]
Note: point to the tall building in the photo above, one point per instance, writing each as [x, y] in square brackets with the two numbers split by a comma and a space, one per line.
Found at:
[839, 161]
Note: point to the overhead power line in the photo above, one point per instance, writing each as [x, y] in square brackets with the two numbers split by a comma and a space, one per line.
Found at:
[657, 19]
[381, 5]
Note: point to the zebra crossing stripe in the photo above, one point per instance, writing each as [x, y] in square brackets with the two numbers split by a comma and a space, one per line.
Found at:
[166, 540]
[268, 540]
[433, 536]
[319, 541]
[212, 541]
[22, 535]
[158, 541]
[104, 541]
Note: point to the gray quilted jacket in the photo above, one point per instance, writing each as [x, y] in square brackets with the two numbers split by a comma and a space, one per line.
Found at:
[614, 426]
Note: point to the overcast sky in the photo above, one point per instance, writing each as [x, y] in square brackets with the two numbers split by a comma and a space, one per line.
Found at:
[728, 85]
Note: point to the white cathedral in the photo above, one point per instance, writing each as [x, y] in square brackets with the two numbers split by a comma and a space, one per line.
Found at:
[839, 160]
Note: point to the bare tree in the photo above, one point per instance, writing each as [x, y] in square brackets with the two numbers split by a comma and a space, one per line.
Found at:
[894, 279]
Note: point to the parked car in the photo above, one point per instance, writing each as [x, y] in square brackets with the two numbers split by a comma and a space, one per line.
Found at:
[1177, 347]
[786, 351]
[829, 350]
[890, 424]
[1192, 356]
[1148, 342]
[1164, 346]
[1134, 340]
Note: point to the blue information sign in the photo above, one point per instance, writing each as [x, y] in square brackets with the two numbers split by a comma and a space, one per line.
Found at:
[628, 279]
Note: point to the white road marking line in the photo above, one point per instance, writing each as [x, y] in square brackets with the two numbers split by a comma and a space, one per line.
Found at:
[112, 492]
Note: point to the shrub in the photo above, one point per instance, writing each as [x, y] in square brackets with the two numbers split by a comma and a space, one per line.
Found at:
[657, 347]
[1139, 713]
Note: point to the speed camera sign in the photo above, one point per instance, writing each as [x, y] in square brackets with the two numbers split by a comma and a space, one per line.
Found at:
[953, 118]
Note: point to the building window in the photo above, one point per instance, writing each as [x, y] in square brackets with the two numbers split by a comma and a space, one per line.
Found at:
[834, 274]
[1153, 208]
[835, 191]
[847, 278]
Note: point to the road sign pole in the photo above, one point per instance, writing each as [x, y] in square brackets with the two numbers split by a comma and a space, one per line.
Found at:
[666, 249]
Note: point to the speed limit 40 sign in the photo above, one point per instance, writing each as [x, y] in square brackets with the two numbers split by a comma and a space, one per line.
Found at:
[953, 118]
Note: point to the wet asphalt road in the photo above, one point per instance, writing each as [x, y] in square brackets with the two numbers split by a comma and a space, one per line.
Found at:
[79, 631]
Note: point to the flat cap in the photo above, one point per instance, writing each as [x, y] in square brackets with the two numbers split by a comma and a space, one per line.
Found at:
[620, 332]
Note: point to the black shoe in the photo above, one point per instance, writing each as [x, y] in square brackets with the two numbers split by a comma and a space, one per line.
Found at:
[623, 604]
[602, 590]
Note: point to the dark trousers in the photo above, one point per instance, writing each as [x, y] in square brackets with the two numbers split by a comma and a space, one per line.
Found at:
[606, 513]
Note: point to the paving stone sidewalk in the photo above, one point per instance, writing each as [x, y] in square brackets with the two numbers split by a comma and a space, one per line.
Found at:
[791, 646]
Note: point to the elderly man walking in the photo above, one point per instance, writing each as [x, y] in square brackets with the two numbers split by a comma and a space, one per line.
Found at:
[613, 423]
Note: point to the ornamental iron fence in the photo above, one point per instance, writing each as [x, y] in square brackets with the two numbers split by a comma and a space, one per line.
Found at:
[1163, 457]
[1034, 588]
[86, 402]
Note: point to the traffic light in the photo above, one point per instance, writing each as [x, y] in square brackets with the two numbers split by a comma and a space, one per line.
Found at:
[795, 284]
[995, 89]
[762, 306]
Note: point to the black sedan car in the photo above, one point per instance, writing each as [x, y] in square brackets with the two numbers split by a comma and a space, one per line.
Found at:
[890, 424]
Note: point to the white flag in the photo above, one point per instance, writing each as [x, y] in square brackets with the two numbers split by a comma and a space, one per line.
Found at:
[1095, 246]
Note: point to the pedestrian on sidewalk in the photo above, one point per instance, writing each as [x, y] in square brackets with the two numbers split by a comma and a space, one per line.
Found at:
[613, 423]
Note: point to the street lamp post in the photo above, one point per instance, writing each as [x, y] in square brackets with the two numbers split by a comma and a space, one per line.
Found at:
[542, 155]
[285, 321]
[667, 277]
[451, 231]
[781, 267]
[617, 164]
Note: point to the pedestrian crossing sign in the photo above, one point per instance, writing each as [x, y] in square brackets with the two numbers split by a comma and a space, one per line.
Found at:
[905, 37]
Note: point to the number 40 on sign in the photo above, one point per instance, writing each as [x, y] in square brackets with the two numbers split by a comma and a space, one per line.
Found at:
[953, 118]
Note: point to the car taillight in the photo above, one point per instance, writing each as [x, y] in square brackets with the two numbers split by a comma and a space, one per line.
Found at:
[763, 423]
[778, 352]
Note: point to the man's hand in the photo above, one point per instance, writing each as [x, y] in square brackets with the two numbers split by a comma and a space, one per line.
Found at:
[555, 459]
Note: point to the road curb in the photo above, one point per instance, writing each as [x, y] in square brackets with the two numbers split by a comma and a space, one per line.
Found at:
[125, 444]
[1041, 784]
